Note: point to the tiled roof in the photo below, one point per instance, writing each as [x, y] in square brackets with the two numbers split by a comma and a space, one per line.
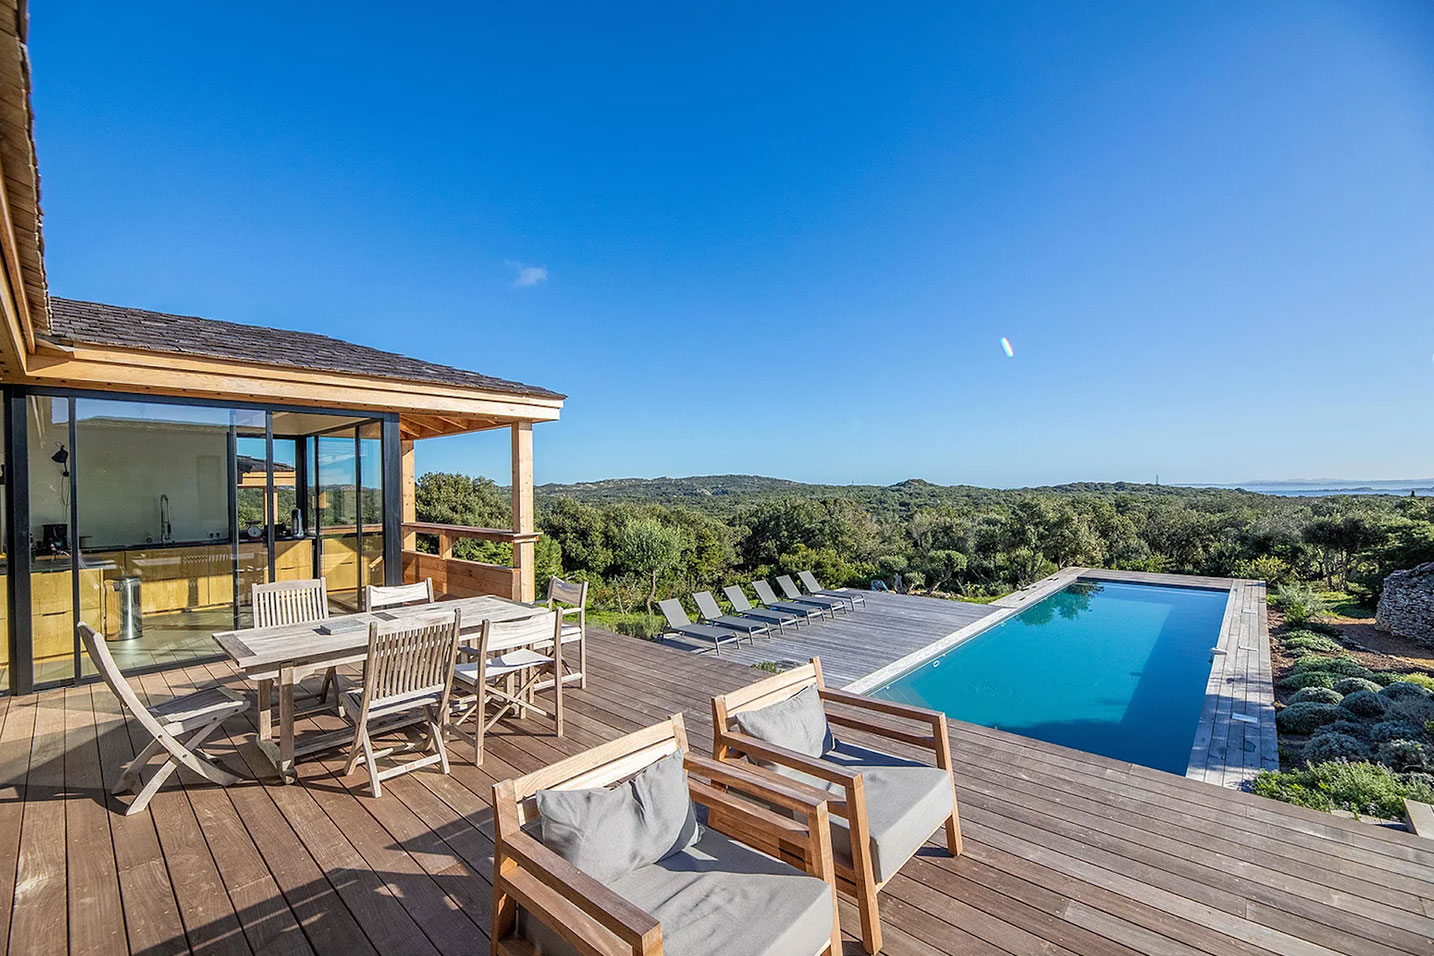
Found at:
[93, 323]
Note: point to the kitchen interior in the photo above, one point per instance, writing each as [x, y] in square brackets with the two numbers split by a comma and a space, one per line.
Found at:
[155, 519]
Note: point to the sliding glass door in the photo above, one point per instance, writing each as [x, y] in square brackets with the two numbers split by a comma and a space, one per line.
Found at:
[151, 521]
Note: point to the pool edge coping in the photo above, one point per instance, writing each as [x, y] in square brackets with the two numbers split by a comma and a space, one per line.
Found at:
[1009, 606]
[1242, 644]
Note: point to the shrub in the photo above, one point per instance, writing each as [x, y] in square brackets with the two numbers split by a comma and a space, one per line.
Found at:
[1344, 725]
[645, 626]
[1386, 730]
[1334, 746]
[1266, 567]
[1425, 681]
[1317, 695]
[1405, 755]
[1310, 642]
[1323, 627]
[1351, 685]
[1385, 677]
[1343, 666]
[1307, 717]
[1363, 703]
[1362, 787]
[1300, 602]
[1404, 690]
[1307, 679]
[1418, 711]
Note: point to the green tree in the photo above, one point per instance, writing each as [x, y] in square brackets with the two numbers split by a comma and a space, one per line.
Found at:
[941, 566]
[581, 531]
[443, 498]
[648, 547]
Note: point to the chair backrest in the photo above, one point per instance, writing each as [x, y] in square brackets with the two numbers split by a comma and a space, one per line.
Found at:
[602, 766]
[771, 690]
[789, 587]
[99, 652]
[674, 612]
[765, 594]
[498, 636]
[707, 604]
[290, 602]
[376, 597]
[567, 592]
[810, 580]
[411, 660]
[738, 597]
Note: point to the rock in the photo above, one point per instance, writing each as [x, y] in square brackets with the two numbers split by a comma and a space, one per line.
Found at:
[1407, 605]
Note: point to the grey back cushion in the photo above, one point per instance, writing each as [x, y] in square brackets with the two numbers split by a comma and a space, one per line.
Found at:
[798, 723]
[608, 833]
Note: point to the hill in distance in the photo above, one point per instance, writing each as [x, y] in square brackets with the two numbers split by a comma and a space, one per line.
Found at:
[725, 493]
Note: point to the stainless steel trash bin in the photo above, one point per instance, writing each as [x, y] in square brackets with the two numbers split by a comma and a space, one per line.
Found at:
[131, 616]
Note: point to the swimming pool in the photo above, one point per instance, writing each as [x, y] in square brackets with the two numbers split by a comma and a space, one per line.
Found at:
[1112, 668]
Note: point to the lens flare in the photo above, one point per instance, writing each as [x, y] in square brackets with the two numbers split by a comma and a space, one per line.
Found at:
[1006, 347]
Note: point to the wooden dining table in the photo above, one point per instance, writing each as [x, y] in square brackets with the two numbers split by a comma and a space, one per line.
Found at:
[286, 654]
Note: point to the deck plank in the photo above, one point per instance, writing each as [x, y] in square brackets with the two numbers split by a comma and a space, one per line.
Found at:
[39, 922]
[151, 911]
[95, 911]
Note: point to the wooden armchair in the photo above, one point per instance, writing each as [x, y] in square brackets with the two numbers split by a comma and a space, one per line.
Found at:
[577, 913]
[889, 806]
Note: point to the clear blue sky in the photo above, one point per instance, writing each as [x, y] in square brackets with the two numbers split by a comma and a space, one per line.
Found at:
[787, 240]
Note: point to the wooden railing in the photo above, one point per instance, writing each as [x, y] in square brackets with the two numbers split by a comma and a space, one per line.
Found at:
[455, 577]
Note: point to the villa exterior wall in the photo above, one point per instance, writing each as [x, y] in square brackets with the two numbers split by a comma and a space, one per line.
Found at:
[1407, 605]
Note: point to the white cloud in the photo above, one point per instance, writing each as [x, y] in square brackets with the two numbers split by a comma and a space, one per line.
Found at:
[526, 275]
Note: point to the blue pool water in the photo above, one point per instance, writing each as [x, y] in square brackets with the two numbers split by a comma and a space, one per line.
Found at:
[1110, 668]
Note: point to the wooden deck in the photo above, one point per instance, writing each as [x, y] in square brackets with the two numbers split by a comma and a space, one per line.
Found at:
[853, 644]
[1067, 853]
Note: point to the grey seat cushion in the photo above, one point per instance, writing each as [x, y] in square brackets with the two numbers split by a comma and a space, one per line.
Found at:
[905, 802]
[607, 833]
[798, 723]
[719, 897]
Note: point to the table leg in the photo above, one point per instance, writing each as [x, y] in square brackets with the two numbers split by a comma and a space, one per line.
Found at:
[286, 724]
[266, 709]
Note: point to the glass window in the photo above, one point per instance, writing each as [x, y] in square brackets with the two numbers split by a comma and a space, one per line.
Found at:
[152, 522]
[52, 577]
[157, 500]
[371, 496]
[338, 519]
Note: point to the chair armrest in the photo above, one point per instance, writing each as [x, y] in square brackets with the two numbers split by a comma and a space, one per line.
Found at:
[922, 715]
[755, 782]
[760, 827]
[760, 749]
[572, 889]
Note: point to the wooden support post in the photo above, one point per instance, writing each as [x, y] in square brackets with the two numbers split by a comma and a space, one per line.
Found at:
[410, 512]
[445, 545]
[523, 520]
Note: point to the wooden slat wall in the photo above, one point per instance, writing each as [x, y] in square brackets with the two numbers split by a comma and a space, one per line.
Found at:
[453, 577]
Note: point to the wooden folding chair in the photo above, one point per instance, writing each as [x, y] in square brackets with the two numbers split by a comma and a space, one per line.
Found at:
[505, 669]
[375, 597]
[408, 668]
[293, 602]
[198, 715]
[570, 599]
